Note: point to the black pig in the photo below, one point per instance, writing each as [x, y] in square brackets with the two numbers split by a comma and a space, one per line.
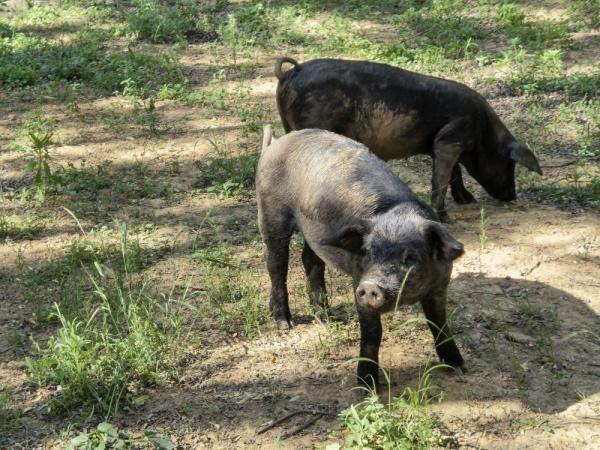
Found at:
[397, 113]
[358, 217]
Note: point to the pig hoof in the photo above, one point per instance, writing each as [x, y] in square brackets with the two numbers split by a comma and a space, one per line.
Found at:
[284, 324]
[464, 198]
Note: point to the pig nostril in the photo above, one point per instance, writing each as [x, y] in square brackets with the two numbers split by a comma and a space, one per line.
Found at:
[374, 294]
[361, 292]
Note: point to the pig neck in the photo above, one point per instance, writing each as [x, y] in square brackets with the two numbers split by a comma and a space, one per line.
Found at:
[497, 134]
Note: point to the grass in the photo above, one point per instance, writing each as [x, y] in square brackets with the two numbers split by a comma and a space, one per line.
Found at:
[118, 339]
[20, 226]
[575, 188]
[227, 175]
[400, 423]
[231, 290]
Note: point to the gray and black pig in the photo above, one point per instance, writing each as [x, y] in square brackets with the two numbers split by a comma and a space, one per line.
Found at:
[358, 217]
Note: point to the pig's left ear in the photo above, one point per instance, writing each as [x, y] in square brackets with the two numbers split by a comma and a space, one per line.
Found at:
[444, 246]
[349, 238]
[522, 155]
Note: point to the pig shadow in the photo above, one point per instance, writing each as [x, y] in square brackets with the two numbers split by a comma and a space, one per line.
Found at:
[522, 340]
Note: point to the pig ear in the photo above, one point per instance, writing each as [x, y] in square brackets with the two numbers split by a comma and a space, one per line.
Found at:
[443, 245]
[522, 155]
[349, 238]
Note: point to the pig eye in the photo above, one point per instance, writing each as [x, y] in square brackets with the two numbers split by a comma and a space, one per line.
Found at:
[409, 258]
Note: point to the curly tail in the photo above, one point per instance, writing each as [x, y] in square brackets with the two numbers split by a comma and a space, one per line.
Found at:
[267, 136]
[280, 61]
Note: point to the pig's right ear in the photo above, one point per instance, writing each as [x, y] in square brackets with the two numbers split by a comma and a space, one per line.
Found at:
[443, 245]
[349, 238]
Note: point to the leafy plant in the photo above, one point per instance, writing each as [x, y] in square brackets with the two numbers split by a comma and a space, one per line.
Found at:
[121, 340]
[399, 425]
[34, 139]
[227, 175]
[107, 436]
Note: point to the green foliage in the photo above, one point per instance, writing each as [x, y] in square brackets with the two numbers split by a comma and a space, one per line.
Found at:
[17, 226]
[536, 35]
[586, 11]
[228, 175]
[399, 425]
[9, 417]
[121, 339]
[34, 139]
[30, 61]
[5, 30]
[163, 21]
[107, 436]
[543, 72]
[574, 188]
[85, 180]
[231, 290]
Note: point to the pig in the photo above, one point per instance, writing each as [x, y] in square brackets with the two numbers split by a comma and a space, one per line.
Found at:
[397, 113]
[356, 216]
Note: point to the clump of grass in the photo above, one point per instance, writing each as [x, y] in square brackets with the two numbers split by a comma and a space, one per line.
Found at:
[228, 175]
[122, 339]
[401, 423]
[575, 188]
[9, 417]
[20, 226]
[65, 279]
[84, 179]
[335, 335]
[28, 61]
[231, 291]
[160, 21]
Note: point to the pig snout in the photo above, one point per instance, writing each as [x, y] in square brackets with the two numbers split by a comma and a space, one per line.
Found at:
[369, 294]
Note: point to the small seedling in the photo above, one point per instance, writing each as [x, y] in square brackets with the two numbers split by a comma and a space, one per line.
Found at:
[482, 235]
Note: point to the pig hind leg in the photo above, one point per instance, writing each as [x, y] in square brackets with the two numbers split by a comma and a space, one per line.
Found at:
[315, 273]
[435, 313]
[459, 192]
[277, 241]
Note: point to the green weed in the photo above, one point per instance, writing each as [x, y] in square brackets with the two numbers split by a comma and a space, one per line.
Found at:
[336, 334]
[108, 436]
[160, 21]
[9, 417]
[575, 188]
[38, 132]
[231, 290]
[227, 175]
[121, 340]
[24, 226]
[35, 61]
[401, 424]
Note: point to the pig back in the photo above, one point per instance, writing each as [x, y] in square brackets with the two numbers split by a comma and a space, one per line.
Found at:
[328, 178]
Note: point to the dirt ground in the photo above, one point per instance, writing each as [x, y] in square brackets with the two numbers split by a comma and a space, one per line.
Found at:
[525, 303]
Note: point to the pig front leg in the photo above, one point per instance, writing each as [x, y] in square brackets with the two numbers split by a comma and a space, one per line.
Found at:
[435, 313]
[459, 193]
[370, 340]
[277, 255]
[315, 274]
